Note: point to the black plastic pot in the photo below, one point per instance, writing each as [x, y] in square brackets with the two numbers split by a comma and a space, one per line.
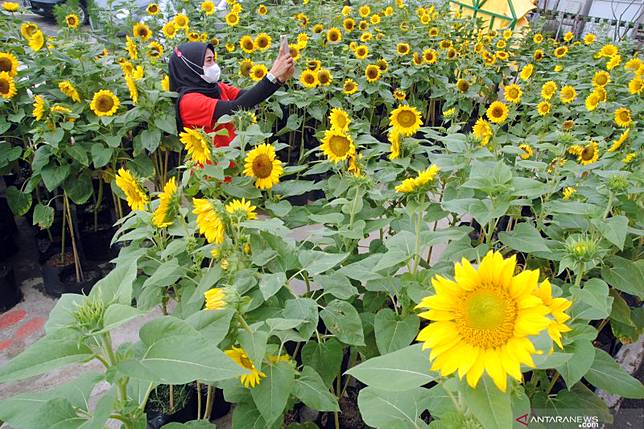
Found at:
[96, 243]
[156, 419]
[7, 220]
[10, 294]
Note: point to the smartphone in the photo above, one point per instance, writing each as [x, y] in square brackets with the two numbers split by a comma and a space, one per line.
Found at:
[284, 43]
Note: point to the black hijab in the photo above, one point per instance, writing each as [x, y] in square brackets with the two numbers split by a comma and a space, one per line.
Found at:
[185, 73]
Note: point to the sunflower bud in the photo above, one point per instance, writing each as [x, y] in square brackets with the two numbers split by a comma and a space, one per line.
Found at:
[617, 184]
[224, 264]
[89, 315]
[581, 249]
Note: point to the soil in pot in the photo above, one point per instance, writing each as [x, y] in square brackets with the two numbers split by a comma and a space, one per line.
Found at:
[70, 285]
[10, 294]
[158, 407]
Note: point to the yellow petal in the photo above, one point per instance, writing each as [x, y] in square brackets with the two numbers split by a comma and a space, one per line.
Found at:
[494, 368]
[465, 275]
[474, 374]
[523, 283]
[437, 315]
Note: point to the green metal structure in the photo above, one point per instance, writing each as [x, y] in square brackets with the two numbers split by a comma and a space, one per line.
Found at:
[476, 7]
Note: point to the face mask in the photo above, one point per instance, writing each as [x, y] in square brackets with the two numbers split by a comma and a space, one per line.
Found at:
[212, 73]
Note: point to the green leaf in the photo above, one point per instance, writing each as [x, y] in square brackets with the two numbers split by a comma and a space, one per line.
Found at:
[79, 154]
[166, 274]
[592, 302]
[19, 202]
[491, 407]
[393, 333]
[271, 394]
[316, 262]
[398, 371]
[279, 209]
[59, 414]
[194, 424]
[304, 309]
[101, 155]
[247, 416]
[583, 354]
[624, 275]
[166, 123]
[384, 409]
[79, 188]
[117, 285]
[343, 321]
[54, 175]
[213, 325]
[310, 388]
[61, 348]
[118, 314]
[150, 139]
[569, 403]
[524, 238]
[613, 229]
[270, 284]
[254, 344]
[337, 285]
[325, 358]
[606, 374]
[43, 216]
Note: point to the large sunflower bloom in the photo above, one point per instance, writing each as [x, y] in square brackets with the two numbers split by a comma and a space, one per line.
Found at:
[481, 321]
[567, 94]
[513, 93]
[196, 145]
[497, 112]
[623, 117]
[413, 183]
[67, 88]
[39, 107]
[36, 40]
[588, 154]
[241, 209]
[136, 198]
[215, 298]
[241, 358]
[261, 164]
[309, 78]
[405, 120]
[163, 216]
[7, 86]
[208, 220]
[337, 145]
[620, 141]
[482, 131]
[339, 119]
[349, 87]
[104, 103]
[8, 63]
[372, 73]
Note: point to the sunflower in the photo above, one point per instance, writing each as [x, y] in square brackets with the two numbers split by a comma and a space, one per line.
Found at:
[181, 21]
[405, 120]
[294, 50]
[567, 94]
[215, 298]
[10, 6]
[169, 29]
[502, 55]
[589, 38]
[497, 112]
[232, 19]
[241, 358]
[349, 24]
[241, 209]
[543, 108]
[247, 44]
[394, 147]
[620, 141]
[236, 7]
[317, 28]
[388, 11]
[608, 50]
[561, 51]
[208, 7]
[37, 41]
[588, 154]
[361, 52]
[194, 36]
[538, 55]
[261, 164]
[430, 56]
[130, 47]
[245, 66]
[208, 221]
[527, 151]
[337, 145]
[415, 183]
[501, 44]
[136, 198]
[513, 93]
[601, 78]
[568, 36]
[67, 88]
[164, 215]
[155, 50]
[8, 63]
[630, 157]
[365, 37]
[196, 145]
[324, 77]
[339, 119]
[613, 62]
[309, 78]
[104, 103]
[263, 41]
[372, 73]
[364, 11]
[27, 29]
[262, 10]
[402, 48]
[134, 92]
[72, 21]
[548, 90]
[635, 85]
[400, 95]
[452, 53]
[482, 320]
[568, 192]
[623, 117]
[138, 73]
[633, 64]
[141, 31]
[592, 101]
[333, 35]
[444, 44]
[382, 64]
[349, 87]
[313, 65]
[39, 107]
[526, 72]
[258, 72]
[152, 9]
[482, 131]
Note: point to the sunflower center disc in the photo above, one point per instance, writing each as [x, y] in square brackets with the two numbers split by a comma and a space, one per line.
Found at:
[339, 145]
[4, 86]
[262, 166]
[487, 318]
[5, 65]
[105, 104]
[406, 119]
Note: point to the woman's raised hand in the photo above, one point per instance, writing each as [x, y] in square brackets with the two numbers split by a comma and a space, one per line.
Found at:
[283, 68]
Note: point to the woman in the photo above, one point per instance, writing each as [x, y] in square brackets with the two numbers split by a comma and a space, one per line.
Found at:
[203, 98]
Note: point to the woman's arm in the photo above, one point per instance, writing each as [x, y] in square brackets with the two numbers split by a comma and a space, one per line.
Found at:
[247, 98]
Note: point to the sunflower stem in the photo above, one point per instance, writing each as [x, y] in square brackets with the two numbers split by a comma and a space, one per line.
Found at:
[552, 383]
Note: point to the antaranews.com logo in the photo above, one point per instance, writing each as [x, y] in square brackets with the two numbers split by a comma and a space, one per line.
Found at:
[581, 420]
